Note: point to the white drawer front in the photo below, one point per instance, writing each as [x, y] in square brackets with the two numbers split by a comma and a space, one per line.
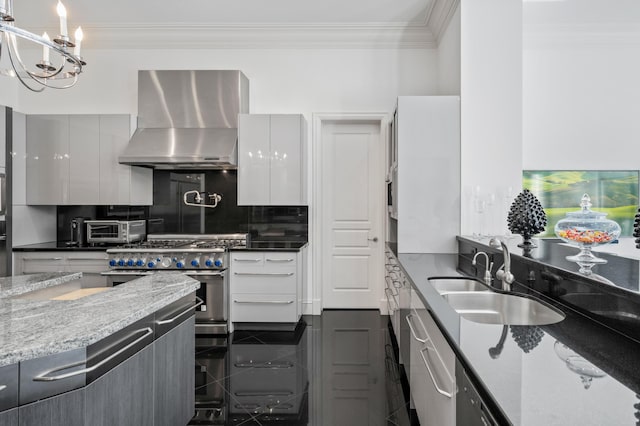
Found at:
[261, 282]
[263, 307]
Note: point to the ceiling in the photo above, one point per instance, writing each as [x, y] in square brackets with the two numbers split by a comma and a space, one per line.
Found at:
[220, 23]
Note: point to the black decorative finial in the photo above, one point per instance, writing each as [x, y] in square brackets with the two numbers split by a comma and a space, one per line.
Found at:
[526, 217]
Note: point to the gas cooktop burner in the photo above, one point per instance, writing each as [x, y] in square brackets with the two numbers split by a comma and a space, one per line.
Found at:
[176, 251]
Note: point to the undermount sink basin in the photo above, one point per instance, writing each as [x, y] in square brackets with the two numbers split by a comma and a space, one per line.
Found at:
[445, 285]
[498, 308]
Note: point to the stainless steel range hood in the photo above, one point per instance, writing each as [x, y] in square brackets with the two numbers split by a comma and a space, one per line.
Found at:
[188, 119]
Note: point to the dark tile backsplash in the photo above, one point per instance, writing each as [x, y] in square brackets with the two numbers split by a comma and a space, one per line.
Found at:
[169, 214]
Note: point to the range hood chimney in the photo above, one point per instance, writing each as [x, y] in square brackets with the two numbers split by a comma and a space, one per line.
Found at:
[188, 119]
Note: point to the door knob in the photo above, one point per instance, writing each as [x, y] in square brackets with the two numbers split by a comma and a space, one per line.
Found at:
[374, 239]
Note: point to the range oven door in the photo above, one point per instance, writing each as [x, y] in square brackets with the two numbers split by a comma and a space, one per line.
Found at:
[212, 316]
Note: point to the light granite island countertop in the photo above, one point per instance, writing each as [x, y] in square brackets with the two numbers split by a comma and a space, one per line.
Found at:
[35, 328]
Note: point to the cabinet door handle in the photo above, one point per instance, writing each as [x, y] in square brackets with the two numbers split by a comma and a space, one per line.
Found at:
[413, 332]
[271, 274]
[277, 302]
[246, 260]
[186, 311]
[40, 258]
[2, 387]
[279, 260]
[44, 377]
[433, 379]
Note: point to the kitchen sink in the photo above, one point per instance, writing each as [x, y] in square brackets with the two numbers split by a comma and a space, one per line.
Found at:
[456, 284]
[489, 307]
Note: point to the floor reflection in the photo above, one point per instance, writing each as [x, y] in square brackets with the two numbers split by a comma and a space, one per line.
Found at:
[335, 369]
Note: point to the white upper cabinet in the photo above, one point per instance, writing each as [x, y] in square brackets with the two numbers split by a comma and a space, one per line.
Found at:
[47, 159]
[73, 160]
[84, 160]
[272, 159]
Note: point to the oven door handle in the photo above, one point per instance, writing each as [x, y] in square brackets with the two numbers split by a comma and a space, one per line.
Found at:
[186, 311]
[124, 273]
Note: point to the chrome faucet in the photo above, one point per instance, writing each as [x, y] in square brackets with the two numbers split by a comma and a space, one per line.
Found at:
[489, 266]
[504, 272]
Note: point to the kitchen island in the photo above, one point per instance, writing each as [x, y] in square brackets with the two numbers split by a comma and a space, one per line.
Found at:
[88, 356]
[576, 371]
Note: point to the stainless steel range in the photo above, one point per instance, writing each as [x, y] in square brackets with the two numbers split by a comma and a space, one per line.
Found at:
[202, 257]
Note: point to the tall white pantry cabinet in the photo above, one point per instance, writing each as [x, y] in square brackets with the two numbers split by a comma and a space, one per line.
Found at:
[427, 187]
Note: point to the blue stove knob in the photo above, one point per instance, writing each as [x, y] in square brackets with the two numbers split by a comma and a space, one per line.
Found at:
[218, 263]
[113, 262]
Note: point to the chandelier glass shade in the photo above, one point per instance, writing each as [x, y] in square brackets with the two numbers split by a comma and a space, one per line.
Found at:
[59, 70]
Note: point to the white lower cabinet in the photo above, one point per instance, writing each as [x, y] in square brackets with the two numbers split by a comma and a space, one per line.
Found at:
[91, 263]
[266, 287]
[432, 368]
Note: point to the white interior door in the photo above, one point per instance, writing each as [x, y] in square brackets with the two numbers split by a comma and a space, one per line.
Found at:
[351, 207]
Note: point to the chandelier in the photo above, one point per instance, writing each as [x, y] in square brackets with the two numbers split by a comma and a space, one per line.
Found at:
[60, 71]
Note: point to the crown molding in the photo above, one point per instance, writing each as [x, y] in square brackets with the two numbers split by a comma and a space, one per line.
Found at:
[605, 35]
[439, 16]
[265, 36]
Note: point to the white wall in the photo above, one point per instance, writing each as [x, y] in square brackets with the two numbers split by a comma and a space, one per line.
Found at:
[281, 80]
[491, 99]
[582, 105]
[449, 58]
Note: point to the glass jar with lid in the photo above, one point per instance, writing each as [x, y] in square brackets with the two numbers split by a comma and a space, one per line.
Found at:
[587, 229]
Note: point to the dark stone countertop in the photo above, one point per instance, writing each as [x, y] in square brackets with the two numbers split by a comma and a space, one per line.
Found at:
[530, 383]
[60, 246]
[282, 245]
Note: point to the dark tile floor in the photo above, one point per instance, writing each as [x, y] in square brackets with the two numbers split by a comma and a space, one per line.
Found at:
[335, 369]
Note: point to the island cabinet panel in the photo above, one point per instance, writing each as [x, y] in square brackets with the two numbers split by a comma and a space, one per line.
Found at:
[124, 395]
[67, 409]
[174, 381]
[9, 417]
[272, 159]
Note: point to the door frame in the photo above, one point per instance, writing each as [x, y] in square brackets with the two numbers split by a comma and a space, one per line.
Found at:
[316, 217]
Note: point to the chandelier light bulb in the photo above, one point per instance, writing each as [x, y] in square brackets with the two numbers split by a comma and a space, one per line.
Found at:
[78, 35]
[62, 13]
[45, 49]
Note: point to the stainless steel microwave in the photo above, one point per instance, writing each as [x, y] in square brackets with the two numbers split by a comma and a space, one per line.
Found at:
[116, 231]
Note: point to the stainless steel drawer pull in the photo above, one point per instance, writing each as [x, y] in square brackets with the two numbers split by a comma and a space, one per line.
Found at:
[279, 260]
[271, 274]
[433, 379]
[186, 311]
[88, 258]
[264, 365]
[40, 258]
[246, 260]
[282, 406]
[265, 393]
[413, 332]
[277, 302]
[2, 387]
[44, 377]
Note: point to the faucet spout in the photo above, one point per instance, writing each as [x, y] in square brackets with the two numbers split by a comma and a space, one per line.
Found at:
[488, 266]
[504, 272]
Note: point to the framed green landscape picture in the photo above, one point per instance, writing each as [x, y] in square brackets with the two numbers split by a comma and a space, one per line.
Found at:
[614, 192]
